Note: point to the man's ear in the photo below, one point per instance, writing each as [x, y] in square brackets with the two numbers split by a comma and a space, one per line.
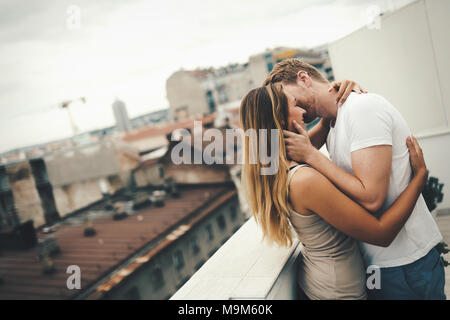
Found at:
[303, 78]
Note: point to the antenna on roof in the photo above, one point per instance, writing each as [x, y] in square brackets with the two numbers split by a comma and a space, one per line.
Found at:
[49, 266]
[89, 231]
[157, 197]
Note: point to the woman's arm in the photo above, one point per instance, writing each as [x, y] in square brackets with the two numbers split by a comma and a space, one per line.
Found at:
[312, 192]
[318, 134]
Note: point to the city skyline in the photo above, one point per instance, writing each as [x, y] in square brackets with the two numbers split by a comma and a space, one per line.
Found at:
[129, 50]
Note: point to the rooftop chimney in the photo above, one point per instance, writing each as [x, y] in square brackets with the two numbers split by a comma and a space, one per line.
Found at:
[171, 187]
[89, 231]
[22, 236]
[157, 197]
[48, 266]
[47, 248]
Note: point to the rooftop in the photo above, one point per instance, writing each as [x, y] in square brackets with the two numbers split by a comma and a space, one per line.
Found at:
[102, 258]
[165, 129]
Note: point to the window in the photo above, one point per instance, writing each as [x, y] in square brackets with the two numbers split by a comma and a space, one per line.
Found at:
[178, 259]
[8, 214]
[210, 100]
[221, 222]
[199, 264]
[161, 172]
[210, 232]
[224, 240]
[211, 253]
[194, 245]
[132, 294]
[233, 212]
[4, 184]
[181, 283]
[157, 278]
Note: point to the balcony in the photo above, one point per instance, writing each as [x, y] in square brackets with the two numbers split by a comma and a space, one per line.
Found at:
[245, 268]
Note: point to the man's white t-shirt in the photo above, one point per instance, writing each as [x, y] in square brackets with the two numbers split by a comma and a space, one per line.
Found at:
[366, 120]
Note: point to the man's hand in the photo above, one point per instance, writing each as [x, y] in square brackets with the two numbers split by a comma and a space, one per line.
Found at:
[298, 146]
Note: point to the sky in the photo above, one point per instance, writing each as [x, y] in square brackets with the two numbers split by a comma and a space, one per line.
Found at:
[127, 49]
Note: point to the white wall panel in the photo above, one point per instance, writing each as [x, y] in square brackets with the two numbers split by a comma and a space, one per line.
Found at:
[398, 62]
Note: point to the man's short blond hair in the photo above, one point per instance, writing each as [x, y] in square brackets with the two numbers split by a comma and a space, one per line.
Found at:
[287, 70]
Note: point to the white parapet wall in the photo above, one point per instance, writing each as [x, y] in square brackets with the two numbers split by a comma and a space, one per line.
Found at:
[245, 268]
[405, 58]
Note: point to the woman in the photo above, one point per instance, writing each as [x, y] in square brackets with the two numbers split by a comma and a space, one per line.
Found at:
[325, 220]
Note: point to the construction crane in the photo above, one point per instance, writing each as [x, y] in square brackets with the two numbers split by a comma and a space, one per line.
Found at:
[65, 105]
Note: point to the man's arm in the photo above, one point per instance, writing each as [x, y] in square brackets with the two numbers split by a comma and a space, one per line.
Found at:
[370, 133]
[372, 168]
[318, 134]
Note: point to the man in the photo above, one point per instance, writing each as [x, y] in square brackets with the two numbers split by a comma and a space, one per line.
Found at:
[370, 163]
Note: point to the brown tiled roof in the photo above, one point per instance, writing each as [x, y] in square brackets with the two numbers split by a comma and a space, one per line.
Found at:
[147, 163]
[157, 131]
[114, 244]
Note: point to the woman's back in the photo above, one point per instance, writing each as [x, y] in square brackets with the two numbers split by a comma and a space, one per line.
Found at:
[332, 267]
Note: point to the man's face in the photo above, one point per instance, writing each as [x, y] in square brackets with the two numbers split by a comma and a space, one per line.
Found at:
[303, 98]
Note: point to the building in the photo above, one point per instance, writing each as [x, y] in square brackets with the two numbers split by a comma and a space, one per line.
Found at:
[79, 173]
[148, 139]
[150, 118]
[261, 64]
[160, 272]
[121, 115]
[26, 194]
[148, 253]
[194, 93]
[46, 188]
[154, 170]
[203, 91]
[156, 226]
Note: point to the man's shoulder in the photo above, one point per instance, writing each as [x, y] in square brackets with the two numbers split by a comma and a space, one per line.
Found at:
[355, 101]
[366, 105]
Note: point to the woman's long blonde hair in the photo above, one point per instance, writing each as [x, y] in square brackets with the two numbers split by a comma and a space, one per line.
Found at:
[267, 108]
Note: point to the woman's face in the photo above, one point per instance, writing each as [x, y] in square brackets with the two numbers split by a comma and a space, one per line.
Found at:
[294, 112]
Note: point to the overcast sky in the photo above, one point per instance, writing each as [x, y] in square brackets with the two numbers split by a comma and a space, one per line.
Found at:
[128, 49]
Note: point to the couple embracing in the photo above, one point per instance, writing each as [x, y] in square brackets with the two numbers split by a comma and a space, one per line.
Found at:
[363, 208]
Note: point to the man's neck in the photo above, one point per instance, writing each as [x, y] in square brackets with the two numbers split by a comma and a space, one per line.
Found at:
[326, 102]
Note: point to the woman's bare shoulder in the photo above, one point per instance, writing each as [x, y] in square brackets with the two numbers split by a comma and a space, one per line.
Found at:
[307, 180]
[305, 176]
[308, 186]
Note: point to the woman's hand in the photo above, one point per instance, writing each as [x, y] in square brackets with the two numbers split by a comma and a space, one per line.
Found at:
[298, 146]
[344, 89]
[416, 158]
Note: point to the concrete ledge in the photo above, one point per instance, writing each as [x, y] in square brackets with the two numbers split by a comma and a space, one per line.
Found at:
[245, 268]
[443, 211]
